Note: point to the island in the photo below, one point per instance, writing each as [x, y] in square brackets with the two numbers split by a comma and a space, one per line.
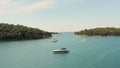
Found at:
[54, 32]
[106, 31]
[20, 32]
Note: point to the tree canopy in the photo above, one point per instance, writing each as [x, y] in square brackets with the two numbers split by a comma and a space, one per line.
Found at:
[108, 31]
[20, 32]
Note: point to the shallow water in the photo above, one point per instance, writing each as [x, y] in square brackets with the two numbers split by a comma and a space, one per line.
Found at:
[85, 52]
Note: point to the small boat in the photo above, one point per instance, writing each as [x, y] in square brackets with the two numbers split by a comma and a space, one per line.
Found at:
[61, 50]
[55, 40]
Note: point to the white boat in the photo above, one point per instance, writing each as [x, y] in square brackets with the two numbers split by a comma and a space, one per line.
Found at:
[54, 40]
[61, 50]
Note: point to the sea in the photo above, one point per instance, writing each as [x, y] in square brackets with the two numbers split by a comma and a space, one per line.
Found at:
[84, 52]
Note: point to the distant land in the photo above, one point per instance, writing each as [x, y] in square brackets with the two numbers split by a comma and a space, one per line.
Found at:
[20, 32]
[106, 31]
[54, 32]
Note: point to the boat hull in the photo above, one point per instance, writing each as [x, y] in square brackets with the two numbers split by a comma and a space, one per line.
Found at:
[61, 51]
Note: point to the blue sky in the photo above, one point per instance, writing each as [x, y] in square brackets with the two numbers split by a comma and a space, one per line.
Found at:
[61, 15]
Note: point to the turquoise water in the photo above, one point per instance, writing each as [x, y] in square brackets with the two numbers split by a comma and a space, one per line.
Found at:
[85, 52]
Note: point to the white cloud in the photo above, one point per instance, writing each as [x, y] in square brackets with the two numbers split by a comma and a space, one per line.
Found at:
[11, 7]
[14, 7]
[4, 2]
[36, 6]
[8, 3]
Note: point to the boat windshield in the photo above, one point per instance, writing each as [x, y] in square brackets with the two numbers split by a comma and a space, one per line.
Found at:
[63, 48]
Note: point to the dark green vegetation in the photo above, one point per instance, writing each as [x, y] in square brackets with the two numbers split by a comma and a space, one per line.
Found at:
[108, 31]
[19, 32]
[53, 32]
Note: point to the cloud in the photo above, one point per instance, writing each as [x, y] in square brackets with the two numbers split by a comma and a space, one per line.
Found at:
[36, 6]
[4, 2]
[12, 7]
[7, 6]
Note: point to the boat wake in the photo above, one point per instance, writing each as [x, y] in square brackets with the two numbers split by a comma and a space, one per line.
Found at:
[84, 40]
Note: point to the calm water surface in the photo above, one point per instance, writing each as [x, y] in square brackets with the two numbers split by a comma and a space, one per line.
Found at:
[85, 52]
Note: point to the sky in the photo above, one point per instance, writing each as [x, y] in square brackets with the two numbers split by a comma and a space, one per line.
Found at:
[61, 15]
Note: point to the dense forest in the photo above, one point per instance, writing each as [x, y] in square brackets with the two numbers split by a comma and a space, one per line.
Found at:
[108, 31]
[20, 32]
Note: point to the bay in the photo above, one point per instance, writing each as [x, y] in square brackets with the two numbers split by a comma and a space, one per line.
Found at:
[85, 52]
